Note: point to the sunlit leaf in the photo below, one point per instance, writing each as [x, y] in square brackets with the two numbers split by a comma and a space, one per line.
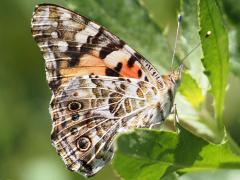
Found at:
[147, 154]
[232, 11]
[215, 51]
[191, 90]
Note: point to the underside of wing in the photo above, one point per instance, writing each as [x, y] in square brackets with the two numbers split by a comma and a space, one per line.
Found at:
[72, 45]
[100, 86]
[90, 110]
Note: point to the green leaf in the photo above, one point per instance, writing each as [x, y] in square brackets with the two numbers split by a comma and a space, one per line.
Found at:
[235, 64]
[147, 154]
[215, 52]
[191, 90]
[213, 175]
[166, 18]
[232, 11]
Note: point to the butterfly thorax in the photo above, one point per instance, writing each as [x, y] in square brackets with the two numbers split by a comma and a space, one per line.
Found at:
[167, 89]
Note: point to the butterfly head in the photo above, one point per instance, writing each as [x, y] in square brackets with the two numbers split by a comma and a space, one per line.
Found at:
[172, 82]
[176, 76]
[173, 79]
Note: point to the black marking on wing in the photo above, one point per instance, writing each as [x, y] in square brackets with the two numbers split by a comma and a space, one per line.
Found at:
[131, 61]
[95, 39]
[74, 53]
[139, 73]
[110, 72]
[118, 67]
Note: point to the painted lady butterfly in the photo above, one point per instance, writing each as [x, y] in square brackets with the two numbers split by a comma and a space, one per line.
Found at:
[100, 86]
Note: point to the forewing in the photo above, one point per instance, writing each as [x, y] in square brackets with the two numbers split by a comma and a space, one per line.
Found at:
[90, 110]
[72, 45]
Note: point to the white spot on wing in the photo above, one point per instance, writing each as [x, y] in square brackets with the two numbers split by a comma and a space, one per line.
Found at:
[54, 35]
[62, 46]
[65, 15]
[44, 14]
[55, 24]
[122, 130]
[115, 57]
[129, 49]
[94, 25]
[67, 23]
[81, 36]
[43, 22]
[48, 55]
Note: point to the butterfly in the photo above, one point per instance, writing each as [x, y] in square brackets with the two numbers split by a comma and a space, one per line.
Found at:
[100, 87]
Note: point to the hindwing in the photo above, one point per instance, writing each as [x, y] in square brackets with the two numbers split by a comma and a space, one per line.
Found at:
[90, 110]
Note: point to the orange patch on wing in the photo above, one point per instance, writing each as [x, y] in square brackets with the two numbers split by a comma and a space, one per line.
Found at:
[91, 64]
[90, 60]
[131, 72]
[88, 64]
[81, 71]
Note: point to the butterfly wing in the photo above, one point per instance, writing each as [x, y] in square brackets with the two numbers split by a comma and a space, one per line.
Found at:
[87, 113]
[99, 85]
[73, 45]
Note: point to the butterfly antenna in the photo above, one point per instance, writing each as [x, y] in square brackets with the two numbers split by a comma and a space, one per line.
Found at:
[175, 44]
[194, 48]
[190, 52]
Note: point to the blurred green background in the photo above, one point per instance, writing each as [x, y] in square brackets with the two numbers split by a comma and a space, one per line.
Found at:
[25, 149]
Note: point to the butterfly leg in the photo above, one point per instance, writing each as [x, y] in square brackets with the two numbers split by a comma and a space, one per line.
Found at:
[176, 119]
[155, 124]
